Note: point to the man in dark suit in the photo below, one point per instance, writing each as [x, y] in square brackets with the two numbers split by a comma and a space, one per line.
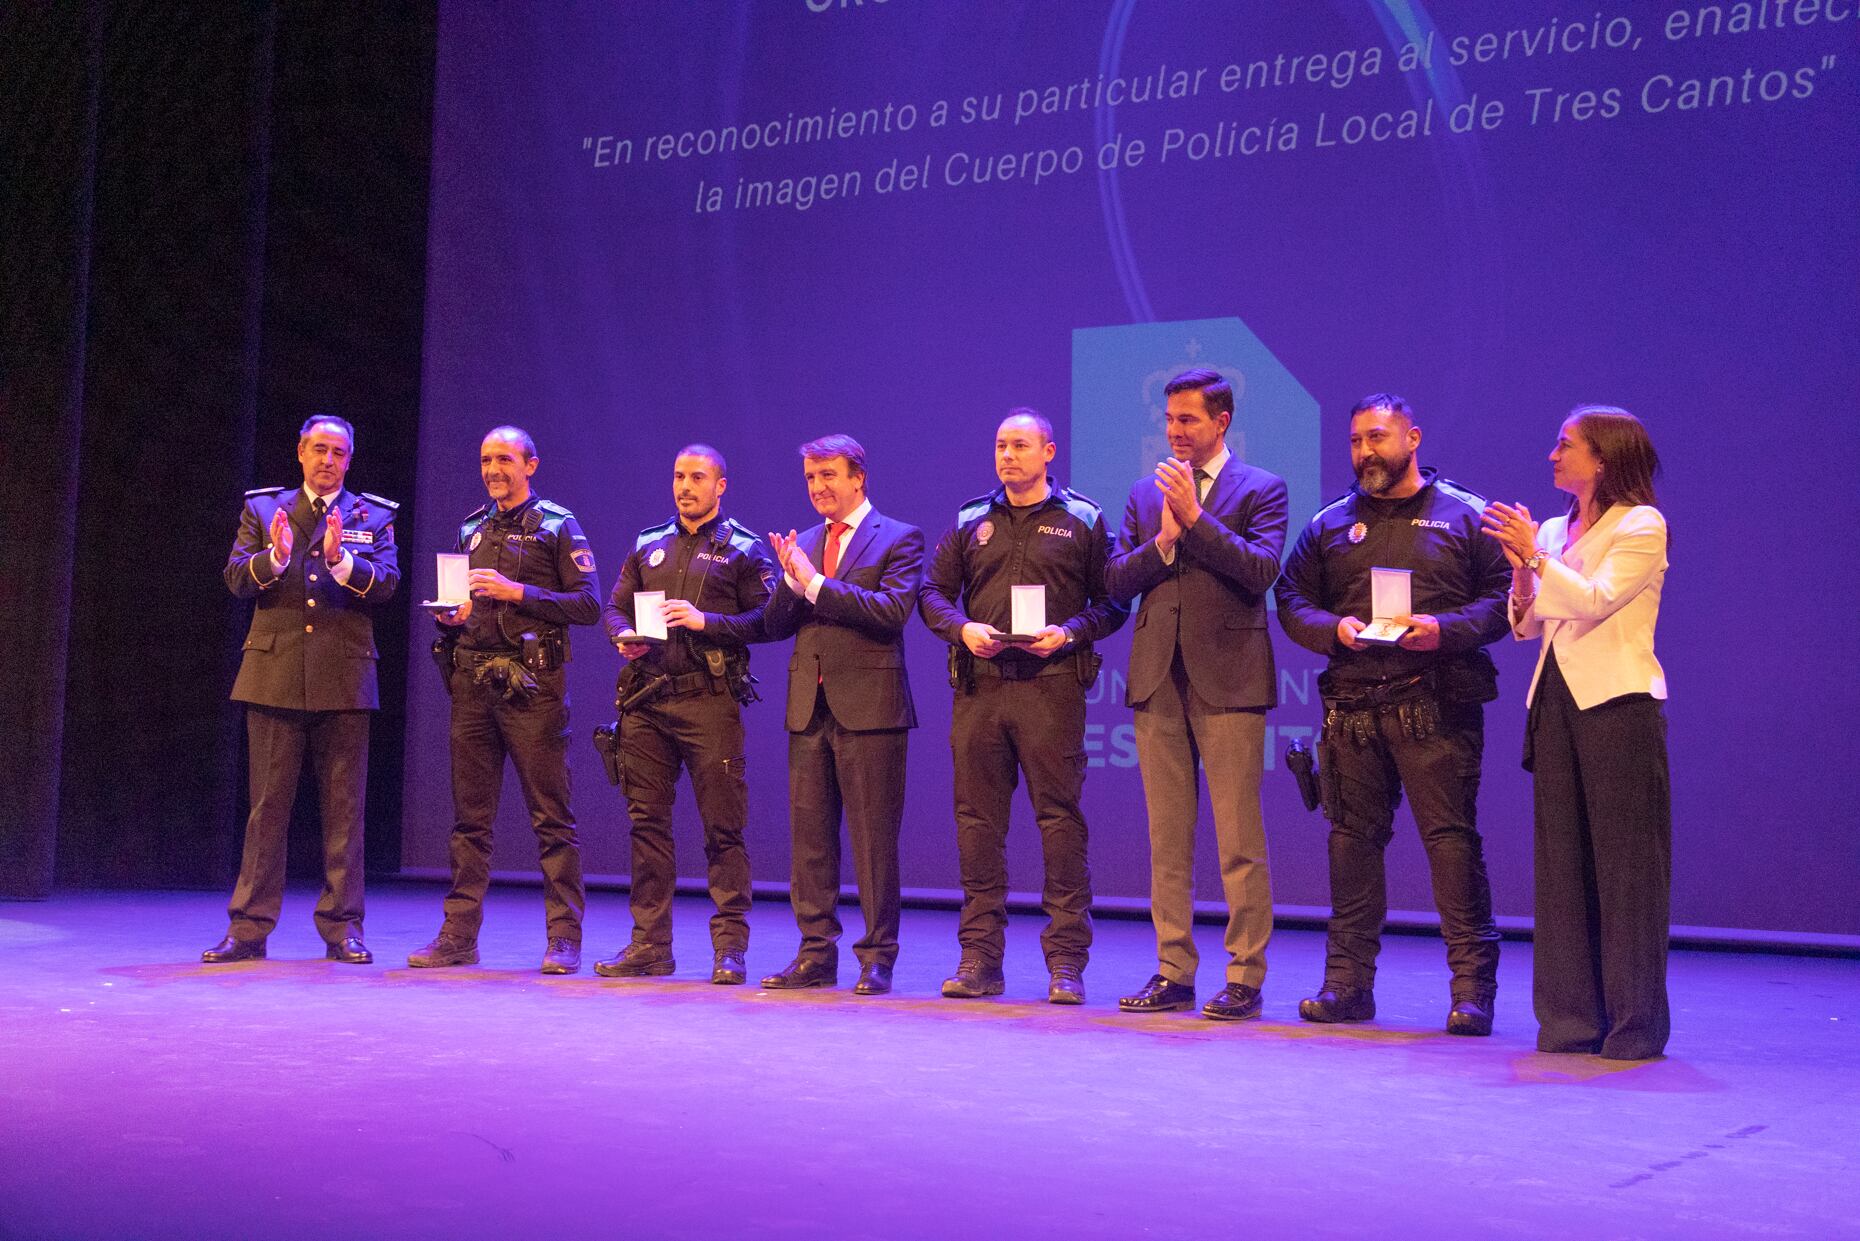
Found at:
[849, 710]
[1201, 543]
[318, 559]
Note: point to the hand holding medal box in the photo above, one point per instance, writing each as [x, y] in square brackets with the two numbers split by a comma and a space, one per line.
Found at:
[1026, 614]
[452, 575]
[648, 618]
[1390, 595]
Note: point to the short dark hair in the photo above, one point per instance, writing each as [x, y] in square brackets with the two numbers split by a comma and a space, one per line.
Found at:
[1620, 442]
[836, 446]
[1383, 400]
[516, 435]
[705, 450]
[315, 420]
[1216, 393]
[1035, 417]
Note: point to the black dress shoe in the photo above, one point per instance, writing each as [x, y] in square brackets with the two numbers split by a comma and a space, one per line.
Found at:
[1159, 995]
[446, 949]
[229, 950]
[1334, 1004]
[973, 979]
[874, 979]
[563, 956]
[351, 951]
[638, 961]
[802, 973]
[1066, 985]
[1472, 1016]
[727, 968]
[1236, 1002]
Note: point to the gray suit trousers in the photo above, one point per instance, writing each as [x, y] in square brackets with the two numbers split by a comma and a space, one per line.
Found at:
[1177, 731]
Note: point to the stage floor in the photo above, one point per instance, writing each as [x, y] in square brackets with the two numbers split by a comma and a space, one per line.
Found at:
[145, 1095]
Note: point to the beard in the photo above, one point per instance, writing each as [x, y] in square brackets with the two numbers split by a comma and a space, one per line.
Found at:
[1375, 475]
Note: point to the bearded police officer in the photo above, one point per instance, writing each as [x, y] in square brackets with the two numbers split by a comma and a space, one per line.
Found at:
[680, 704]
[503, 654]
[1404, 716]
[318, 559]
[1020, 697]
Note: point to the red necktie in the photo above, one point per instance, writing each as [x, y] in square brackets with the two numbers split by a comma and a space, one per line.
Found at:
[831, 561]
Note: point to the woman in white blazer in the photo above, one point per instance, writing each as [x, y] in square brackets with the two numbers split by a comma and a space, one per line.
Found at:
[1588, 583]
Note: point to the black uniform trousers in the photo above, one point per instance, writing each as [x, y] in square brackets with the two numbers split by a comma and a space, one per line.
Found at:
[834, 772]
[534, 735]
[1003, 728]
[1440, 774]
[1604, 857]
[703, 732]
[338, 746]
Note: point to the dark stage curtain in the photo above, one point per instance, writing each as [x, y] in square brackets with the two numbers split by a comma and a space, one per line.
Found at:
[213, 226]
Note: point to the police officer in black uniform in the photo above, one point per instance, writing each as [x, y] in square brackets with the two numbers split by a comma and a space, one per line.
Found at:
[681, 704]
[1405, 716]
[1020, 705]
[503, 655]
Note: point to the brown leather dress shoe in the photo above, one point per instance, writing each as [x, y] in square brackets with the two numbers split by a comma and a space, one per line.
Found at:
[229, 950]
[1159, 995]
[638, 961]
[1236, 1002]
[802, 973]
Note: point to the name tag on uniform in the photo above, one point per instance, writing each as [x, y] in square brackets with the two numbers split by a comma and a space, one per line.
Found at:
[366, 537]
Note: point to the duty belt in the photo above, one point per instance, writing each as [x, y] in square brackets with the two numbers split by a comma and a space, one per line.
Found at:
[1373, 696]
[691, 683]
[465, 657]
[1021, 670]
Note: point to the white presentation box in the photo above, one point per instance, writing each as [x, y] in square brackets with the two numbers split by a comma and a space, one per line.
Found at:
[1026, 613]
[453, 582]
[1390, 595]
[648, 617]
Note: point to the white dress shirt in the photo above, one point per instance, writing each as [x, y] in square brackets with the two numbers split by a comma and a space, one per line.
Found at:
[852, 522]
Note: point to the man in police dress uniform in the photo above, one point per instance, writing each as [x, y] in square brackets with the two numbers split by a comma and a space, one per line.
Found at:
[1405, 716]
[680, 705]
[504, 656]
[1020, 705]
[318, 559]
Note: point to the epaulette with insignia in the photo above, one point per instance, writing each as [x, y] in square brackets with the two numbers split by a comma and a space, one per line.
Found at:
[265, 491]
[972, 509]
[383, 501]
[1471, 499]
[1085, 510]
[553, 509]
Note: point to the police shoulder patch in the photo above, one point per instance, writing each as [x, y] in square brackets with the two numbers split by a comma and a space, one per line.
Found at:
[383, 501]
[974, 510]
[741, 537]
[583, 558]
[1471, 499]
[1339, 502]
[653, 533]
[1085, 510]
